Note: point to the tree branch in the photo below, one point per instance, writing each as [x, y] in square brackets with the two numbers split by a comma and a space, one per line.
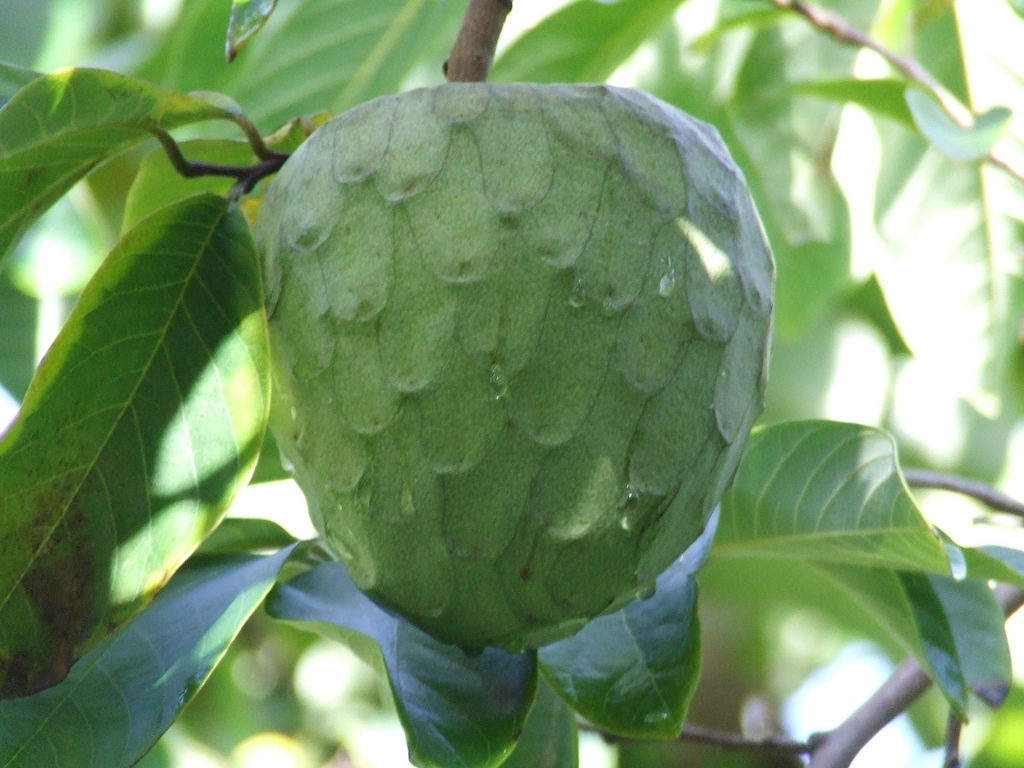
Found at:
[473, 53]
[844, 32]
[925, 478]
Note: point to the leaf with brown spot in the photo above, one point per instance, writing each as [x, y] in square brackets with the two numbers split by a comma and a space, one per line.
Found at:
[143, 421]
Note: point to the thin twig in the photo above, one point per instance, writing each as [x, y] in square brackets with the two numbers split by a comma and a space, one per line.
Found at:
[845, 32]
[246, 175]
[952, 747]
[473, 53]
[926, 478]
[838, 747]
[734, 741]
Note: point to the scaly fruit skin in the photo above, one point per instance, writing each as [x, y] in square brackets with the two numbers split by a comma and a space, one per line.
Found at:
[520, 336]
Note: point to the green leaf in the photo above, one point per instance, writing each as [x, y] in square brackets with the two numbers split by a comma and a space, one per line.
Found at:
[583, 42]
[1018, 7]
[868, 301]
[242, 534]
[13, 79]
[58, 127]
[142, 423]
[938, 646]
[633, 672]
[977, 624]
[549, 739]
[826, 492]
[247, 18]
[117, 700]
[959, 142]
[457, 709]
[883, 97]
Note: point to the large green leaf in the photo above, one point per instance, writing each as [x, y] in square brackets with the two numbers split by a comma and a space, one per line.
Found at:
[142, 422]
[583, 42]
[57, 128]
[118, 699]
[826, 492]
[634, 671]
[457, 709]
[313, 55]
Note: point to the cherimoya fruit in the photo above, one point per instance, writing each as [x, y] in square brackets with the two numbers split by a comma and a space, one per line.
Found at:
[520, 335]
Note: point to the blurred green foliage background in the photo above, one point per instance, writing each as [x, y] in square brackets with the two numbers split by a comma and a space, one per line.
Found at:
[900, 304]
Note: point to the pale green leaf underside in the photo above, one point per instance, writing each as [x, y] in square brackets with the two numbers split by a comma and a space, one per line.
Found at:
[826, 492]
[58, 127]
[118, 699]
[959, 142]
[142, 422]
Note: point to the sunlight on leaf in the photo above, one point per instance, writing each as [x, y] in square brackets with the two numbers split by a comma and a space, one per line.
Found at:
[142, 423]
[826, 492]
[247, 18]
[58, 127]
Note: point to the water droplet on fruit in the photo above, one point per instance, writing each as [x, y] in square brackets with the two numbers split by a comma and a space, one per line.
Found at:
[667, 284]
[646, 592]
[498, 382]
[630, 507]
[578, 295]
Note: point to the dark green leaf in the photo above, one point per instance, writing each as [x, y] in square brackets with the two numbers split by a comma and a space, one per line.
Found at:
[583, 42]
[457, 709]
[13, 79]
[979, 635]
[881, 97]
[957, 141]
[142, 423]
[936, 638]
[17, 350]
[549, 739]
[57, 128]
[247, 18]
[117, 700]
[826, 492]
[634, 671]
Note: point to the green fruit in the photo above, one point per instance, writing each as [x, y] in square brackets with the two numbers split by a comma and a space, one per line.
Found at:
[520, 336]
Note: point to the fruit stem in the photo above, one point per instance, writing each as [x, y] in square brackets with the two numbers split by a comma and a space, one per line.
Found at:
[473, 53]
